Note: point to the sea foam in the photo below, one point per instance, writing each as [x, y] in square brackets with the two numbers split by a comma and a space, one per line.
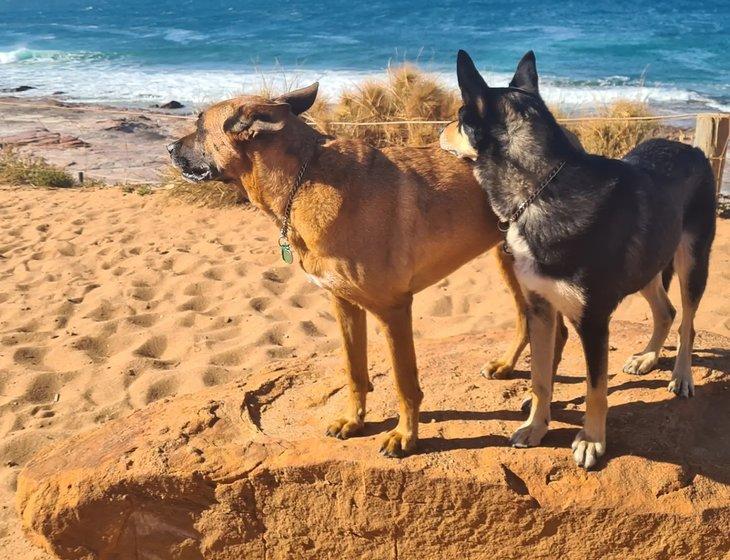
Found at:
[89, 77]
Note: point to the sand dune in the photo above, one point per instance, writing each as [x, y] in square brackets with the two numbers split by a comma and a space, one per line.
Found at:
[110, 301]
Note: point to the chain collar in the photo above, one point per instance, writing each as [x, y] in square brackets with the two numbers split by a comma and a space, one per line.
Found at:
[504, 226]
[284, 246]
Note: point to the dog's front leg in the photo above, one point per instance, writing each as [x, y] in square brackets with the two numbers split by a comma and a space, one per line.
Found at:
[541, 324]
[502, 367]
[398, 328]
[352, 322]
[590, 443]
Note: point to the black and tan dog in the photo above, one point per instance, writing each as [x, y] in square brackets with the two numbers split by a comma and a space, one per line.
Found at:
[371, 226]
[585, 232]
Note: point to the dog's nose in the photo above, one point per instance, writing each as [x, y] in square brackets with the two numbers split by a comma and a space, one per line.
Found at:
[172, 147]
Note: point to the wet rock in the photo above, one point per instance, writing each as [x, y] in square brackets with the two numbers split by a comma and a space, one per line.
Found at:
[18, 89]
[171, 105]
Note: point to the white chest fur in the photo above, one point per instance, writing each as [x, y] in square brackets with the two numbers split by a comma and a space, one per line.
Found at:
[564, 296]
[327, 281]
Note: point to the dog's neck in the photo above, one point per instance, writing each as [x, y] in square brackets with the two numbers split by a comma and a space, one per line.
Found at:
[270, 182]
[523, 159]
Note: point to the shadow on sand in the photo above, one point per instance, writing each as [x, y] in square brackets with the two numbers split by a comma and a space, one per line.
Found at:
[692, 433]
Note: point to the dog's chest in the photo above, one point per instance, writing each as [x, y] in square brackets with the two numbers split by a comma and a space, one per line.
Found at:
[565, 296]
[326, 280]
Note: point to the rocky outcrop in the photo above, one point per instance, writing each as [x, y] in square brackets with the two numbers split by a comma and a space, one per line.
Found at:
[42, 137]
[243, 470]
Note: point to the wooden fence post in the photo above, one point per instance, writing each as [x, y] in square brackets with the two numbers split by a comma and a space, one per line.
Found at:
[711, 136]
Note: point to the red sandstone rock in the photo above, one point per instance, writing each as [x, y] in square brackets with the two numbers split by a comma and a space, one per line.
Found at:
[43, 137]
[243, 471]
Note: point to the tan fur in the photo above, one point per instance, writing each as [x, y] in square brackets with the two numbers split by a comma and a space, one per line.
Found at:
[371, 226]
[452, 140]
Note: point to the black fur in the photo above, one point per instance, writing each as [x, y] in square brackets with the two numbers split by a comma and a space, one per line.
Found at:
[605, 226]
[609, 226]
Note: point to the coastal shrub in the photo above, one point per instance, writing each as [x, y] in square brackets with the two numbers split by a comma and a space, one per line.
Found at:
[406, 93]
[27, 170]
[613, 138]
[212, 194]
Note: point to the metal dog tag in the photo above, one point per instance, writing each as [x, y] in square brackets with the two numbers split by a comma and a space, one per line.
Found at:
[286, 252]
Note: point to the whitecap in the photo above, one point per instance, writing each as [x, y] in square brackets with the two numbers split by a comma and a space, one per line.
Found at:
[183, 35]
[104, 82]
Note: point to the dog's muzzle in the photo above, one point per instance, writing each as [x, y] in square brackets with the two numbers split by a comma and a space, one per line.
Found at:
[193, 172]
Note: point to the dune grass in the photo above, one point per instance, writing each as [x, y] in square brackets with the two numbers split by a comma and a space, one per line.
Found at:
[613, 138]
[406, 93]
[27, 170]
[213, 194]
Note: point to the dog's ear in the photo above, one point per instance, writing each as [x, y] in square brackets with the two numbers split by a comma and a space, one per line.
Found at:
[472, 85]
[300, 99]
[247, 124]
[526, 75]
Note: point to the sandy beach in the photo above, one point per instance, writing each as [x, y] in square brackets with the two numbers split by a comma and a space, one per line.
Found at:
[111, 301]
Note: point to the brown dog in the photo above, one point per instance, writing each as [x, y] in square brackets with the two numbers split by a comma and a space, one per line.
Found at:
[371, 226]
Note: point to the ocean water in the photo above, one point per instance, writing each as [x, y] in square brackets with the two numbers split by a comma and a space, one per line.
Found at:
[672, 53]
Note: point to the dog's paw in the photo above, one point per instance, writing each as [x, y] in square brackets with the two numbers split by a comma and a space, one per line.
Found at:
[497, 369]
[529, 435]
[342, 428]
[587, 452]
[639, 364]
[397, 444]
[682, 384]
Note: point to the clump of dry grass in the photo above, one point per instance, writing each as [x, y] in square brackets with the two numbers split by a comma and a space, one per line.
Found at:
[213, 194]
[613, 138]
[406, 93]
[27, 170]
[409, 94]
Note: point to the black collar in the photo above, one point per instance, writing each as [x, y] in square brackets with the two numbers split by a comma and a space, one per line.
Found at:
[504, 226]
[525, 204]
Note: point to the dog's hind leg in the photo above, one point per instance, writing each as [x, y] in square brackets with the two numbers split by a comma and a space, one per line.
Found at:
[541, 321]
[662, 313]
[398, 327]
[502, 367]
[590, 443]
[352, 322]
[691, 262]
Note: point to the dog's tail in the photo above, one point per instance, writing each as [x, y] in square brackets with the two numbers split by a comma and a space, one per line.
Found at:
[667, 275]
